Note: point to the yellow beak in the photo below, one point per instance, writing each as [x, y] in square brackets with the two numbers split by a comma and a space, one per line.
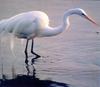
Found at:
[91, 20]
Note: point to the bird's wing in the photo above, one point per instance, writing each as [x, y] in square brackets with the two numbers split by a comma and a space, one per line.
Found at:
[25, 28]
[22, 26]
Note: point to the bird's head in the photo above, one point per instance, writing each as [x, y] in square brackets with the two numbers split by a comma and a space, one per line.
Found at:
[83, 14]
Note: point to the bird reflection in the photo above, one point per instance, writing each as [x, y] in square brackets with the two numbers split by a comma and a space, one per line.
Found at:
[30, 80]
[28, 70]
[31, 67]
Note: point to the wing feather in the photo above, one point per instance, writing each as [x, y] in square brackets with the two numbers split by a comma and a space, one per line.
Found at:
[22, 25]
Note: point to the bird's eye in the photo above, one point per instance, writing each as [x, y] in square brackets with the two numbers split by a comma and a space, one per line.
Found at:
[82, 14]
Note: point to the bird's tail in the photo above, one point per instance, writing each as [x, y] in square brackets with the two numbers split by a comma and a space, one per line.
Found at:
[12, 43]
[3, 26]
[3, 33]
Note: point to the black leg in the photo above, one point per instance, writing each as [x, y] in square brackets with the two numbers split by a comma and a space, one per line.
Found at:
[37, 56]
[26, 60]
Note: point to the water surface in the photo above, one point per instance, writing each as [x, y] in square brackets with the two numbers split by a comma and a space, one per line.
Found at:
[72, 57]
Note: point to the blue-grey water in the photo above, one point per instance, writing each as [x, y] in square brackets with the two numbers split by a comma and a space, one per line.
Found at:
[72, 57]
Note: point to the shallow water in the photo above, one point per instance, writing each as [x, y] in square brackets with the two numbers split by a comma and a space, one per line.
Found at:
[72, 57]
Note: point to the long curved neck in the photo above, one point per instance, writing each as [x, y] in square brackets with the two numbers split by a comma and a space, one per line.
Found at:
[50, 31]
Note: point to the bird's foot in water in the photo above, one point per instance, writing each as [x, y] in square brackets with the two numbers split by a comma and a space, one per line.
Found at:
[34, 59]
[37, 56]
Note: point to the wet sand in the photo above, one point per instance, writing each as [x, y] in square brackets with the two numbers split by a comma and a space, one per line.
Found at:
[72, 57]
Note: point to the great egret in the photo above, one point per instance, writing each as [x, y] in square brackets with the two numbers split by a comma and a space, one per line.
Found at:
[33, 24]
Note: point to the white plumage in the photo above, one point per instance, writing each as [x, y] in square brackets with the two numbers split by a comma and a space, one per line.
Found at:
[33, 24]
[26, 24]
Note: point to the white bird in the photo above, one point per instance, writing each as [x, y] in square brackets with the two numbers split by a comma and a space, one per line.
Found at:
[33, 24]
